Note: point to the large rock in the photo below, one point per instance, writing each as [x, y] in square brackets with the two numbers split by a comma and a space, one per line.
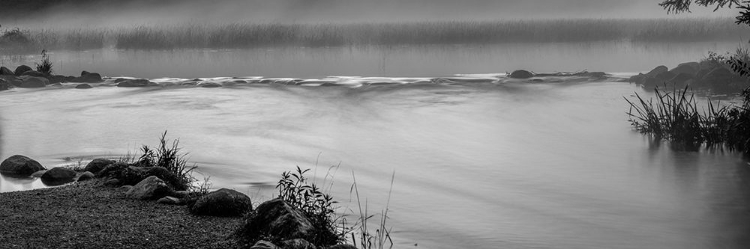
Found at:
[4, 85]
[6, 71]
[277, 218]
[151, 188]
[87, 77]
[57, 79]
[20, 165]
[681, 80]
[58, 175]
[132, 82]
[689, 68]
[222, 202]
[35, 74]
[521, 74]
[665, 76]
[657, 71]
[21, 69]
[130, 175]
[718, 75]
[83, 86]
[34, 82]
[85, 176]
[98, 164]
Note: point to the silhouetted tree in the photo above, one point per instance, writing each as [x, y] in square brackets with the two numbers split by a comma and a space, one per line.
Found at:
[677, 6]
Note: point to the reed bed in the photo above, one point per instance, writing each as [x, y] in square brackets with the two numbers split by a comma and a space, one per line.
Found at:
[674, 116]
[251, 35]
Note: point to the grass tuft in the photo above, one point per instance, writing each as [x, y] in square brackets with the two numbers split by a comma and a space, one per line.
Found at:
[45, 66]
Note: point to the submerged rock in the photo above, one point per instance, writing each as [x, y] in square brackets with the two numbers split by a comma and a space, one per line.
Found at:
[87, 77]
[83, 86]
[20, 165]
[222, 202]
[132, 82]
[209, 84]
[151, 188]
[521, 74]
[58, 175]
[4, 85]
[21, 69]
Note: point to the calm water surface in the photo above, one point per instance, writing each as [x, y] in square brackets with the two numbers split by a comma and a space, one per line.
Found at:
[477, 165]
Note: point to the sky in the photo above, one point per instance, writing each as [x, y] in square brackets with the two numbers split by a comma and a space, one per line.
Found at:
[328, 11]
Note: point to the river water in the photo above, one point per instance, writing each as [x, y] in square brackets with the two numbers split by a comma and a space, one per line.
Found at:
[479, 161]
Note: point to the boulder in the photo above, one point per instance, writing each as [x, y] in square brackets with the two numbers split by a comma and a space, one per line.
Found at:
[718, 75]
[278, 218]
[680, 80]
[151, 188]
[521, 74]
[169, 200]
[130, 175]
[33, 73]
[39, 173]
[652, 82]
[87, 77]
[690, 68]
[20, 165]
[209, 84]
[297, 244]
[6, 71]
[34, 82]
[133, 82]
[21, 69]
[656, 71]
[58, 175]
[83, 86]
[665, 76]
[57, 79]
[98, 164]
[222, 202]
[263, 244]
[85, 176]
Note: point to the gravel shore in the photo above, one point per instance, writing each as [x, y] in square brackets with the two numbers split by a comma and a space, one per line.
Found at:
[90, 215]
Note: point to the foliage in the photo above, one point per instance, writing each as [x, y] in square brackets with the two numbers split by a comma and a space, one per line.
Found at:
[317, 206]
[677, 6]
[170, 158]
[46, 65]
[675, 117]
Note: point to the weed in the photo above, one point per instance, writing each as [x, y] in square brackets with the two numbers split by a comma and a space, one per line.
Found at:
[46, 65]
[170, 158]
[382, 235]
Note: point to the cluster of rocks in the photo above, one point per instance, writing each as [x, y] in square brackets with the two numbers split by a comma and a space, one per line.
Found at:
[524, 74]
[696, 75]
[273, 224]
[26, 77]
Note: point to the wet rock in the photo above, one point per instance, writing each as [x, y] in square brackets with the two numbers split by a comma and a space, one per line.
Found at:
[689, 68]
[718, 75]
[151, 188]
[681, 80]
[57, 79]
[133, 83]
[209, 84]
[87, 77]
[262, 244]
[6, 71]
[34, 74]
[169, 200]
[21, 69]
[85, 176]
[222, 202]
[58, 175]
[4, 85]
[521, 74]
[278, 218]
[20, 165]
[83, 86]
[98, 164]
[33, 82]
[665, 76]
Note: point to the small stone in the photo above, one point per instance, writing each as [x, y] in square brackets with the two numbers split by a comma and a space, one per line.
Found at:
[85, 176]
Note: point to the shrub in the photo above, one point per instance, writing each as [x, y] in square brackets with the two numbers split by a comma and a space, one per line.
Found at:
[170, 158]
[46, 65]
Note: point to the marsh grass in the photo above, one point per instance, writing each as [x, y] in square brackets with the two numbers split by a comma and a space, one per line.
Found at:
[674, 116]
[45, 66]
[253, 35]
[361, 235]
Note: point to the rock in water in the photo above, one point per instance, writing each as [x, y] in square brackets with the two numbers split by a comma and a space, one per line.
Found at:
[22, 69]
[20, 165]
[6, 71]
[34, 74]
[133, 83]
[276, 217]
[83, 86]
[4, 85]
[657, 71]
[690, 68]
[58, 175]
[98, 164]
[222, 202]
[87, 77]
[151, 188]
[34, 82]
[521, 74]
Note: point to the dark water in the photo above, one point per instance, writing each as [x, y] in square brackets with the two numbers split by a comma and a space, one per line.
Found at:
[485, 164]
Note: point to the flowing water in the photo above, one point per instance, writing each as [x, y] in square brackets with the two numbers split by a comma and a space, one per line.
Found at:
[480, 161]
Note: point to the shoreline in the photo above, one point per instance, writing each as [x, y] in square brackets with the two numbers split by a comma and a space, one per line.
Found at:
[90, 215]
